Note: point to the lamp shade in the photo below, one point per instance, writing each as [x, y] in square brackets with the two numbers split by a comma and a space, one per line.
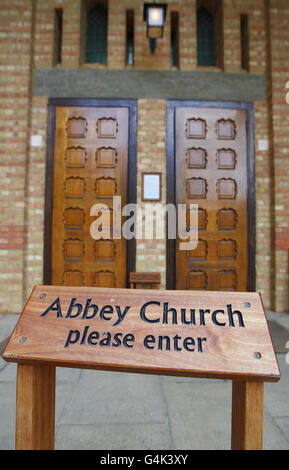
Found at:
[155, 17]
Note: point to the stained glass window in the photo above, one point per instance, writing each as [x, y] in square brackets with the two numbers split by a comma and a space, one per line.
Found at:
[57, 49]
[206, 31]
[175, 38]
[96, 34]
[129, 37]
[245, 42]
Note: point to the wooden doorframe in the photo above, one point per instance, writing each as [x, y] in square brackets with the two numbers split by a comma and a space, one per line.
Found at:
[171, 183]
[132, 169]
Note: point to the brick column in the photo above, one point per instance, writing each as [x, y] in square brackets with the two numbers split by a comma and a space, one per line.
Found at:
[151, 254]
[16, 24]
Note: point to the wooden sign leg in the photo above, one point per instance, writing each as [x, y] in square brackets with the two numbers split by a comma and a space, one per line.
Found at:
[35, 407]
[247, 415]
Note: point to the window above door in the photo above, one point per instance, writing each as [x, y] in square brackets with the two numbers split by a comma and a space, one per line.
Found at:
[209, 33]
[96, 16]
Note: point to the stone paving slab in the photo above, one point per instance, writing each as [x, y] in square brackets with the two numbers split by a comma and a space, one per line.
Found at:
[283, 424]
[199, 414]
[277, 394]
[113, 437]
[7, 415]
[273, 436]
[7, 324]
[116, 398]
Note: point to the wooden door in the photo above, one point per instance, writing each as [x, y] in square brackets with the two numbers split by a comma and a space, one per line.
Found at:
[211, 171]
[90, 167]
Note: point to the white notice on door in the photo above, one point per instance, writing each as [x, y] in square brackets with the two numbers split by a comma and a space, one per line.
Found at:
[151, 187]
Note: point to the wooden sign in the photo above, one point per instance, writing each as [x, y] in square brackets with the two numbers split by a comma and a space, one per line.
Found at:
[189, 333]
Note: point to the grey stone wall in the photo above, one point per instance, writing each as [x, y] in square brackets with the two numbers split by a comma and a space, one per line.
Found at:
[135, 84]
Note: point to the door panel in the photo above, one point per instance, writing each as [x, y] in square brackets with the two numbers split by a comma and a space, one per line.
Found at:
[90, 167]
[211, 171]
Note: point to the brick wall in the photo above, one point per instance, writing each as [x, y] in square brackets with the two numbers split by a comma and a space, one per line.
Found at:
[15, 68]
[73, 25]
[23, 116]
[44, 31]
[263, 186]
[278, 20]
[35, 198]
[232, 52]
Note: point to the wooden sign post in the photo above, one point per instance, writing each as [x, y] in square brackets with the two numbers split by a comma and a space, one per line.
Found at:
[221, 335]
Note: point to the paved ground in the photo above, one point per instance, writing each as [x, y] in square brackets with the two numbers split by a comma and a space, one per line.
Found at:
[106, 411]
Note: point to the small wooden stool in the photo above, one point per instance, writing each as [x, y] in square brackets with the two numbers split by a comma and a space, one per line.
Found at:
[144, 278]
